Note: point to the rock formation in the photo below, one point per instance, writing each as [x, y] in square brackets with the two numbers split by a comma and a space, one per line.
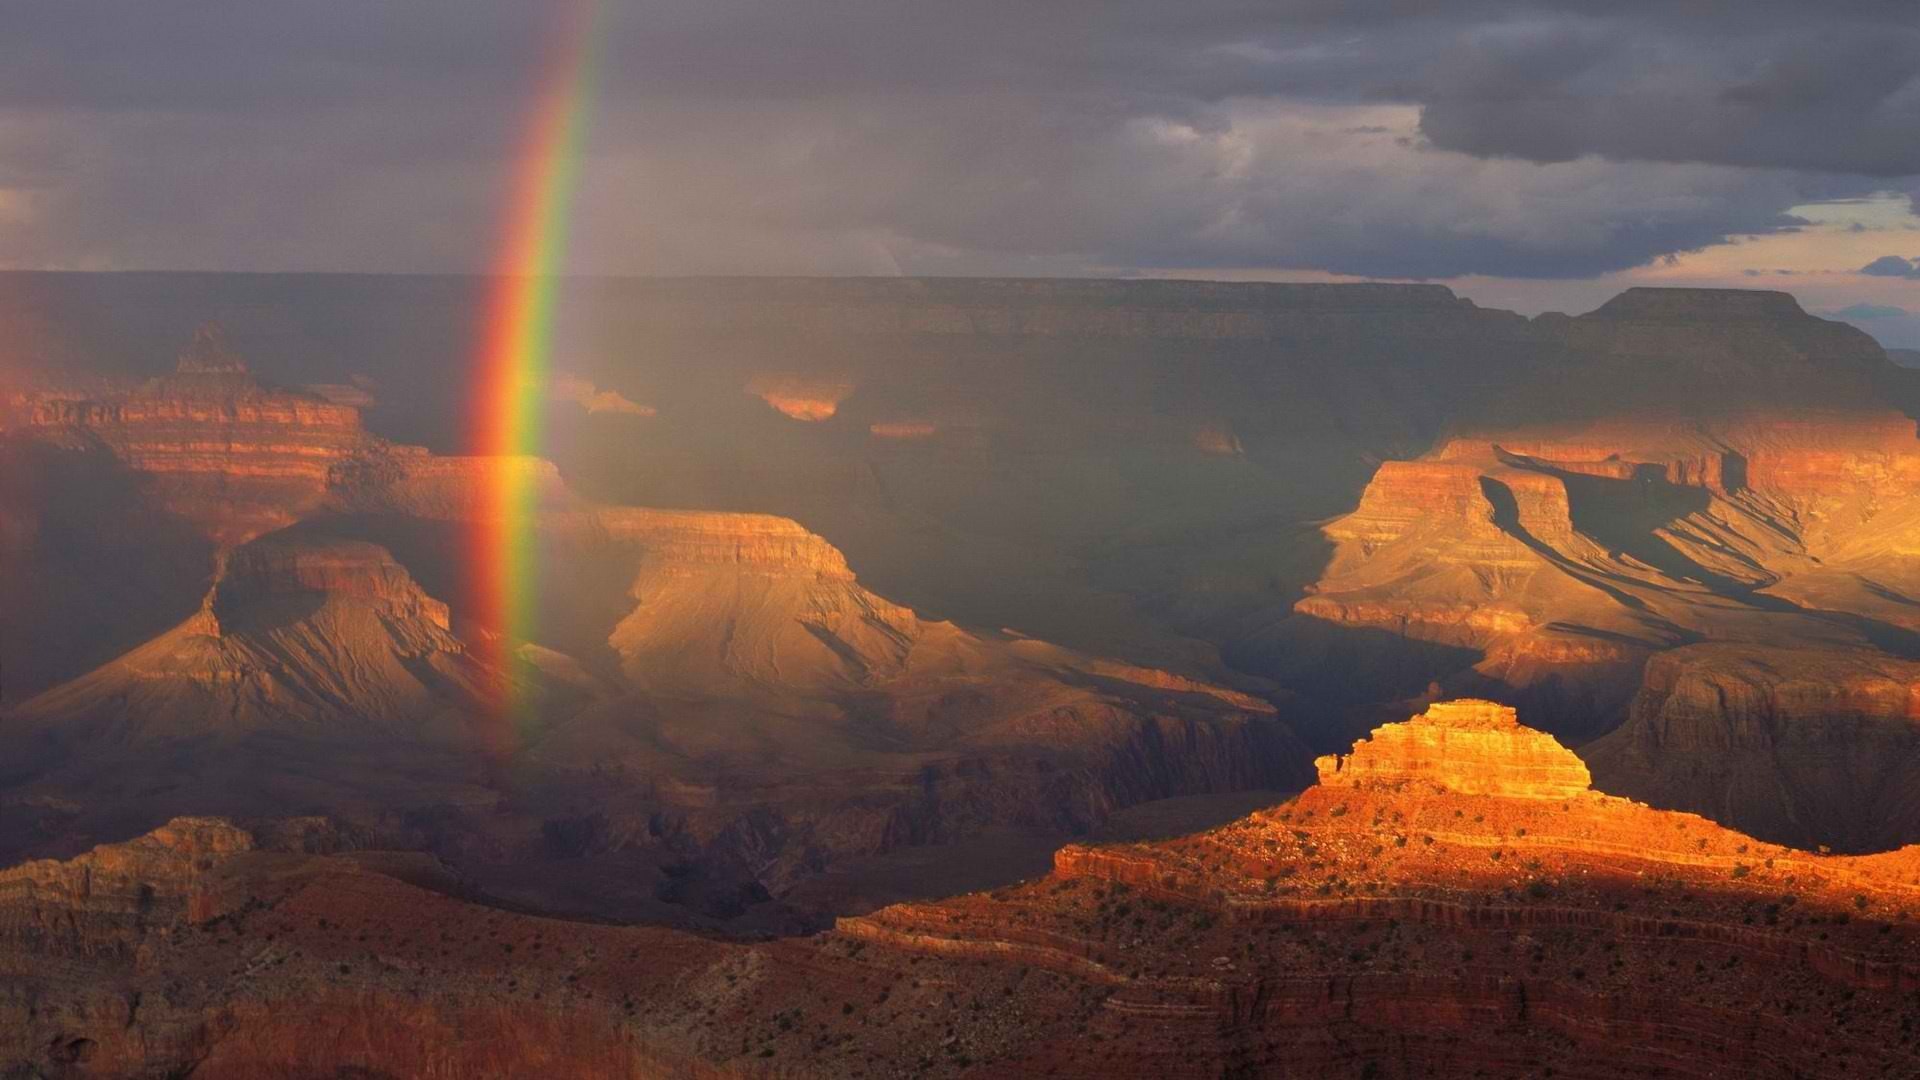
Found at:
[1811, 746]
[705, 689]
[800, 397]
[1394, 926]
[1468, 747]
[1346, 501]
[1556, 539]
[234, 458]
[317, 635]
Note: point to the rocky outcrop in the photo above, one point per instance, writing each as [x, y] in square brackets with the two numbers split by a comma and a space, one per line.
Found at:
[1540, 563]
[235, 458]
[1291, 940]
[104, 902]
[1470, 747]
[801, 397]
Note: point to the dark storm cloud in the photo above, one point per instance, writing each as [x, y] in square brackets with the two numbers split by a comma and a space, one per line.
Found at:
[1386, 137]
[1834, 89]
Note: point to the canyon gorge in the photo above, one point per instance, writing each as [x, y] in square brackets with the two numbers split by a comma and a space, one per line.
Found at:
[957, 677]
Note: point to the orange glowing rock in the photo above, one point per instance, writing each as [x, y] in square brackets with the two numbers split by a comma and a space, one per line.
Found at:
[801, 397]
[1470, 747]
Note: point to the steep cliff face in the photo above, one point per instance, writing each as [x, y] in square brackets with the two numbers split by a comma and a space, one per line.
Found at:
[778, 717]
[215, 447]
[1543, 561]
[1469, 747]
[747, 709]
[1803, 746]
[1384, 924]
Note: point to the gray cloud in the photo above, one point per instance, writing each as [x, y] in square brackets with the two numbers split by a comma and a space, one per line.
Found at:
[1893, 266]
[1831, 91]
[1383, 137]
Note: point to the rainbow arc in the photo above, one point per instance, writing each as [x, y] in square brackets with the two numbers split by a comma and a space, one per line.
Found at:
[516, 345]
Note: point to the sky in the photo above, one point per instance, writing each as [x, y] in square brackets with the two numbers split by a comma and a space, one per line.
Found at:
[1537, 155]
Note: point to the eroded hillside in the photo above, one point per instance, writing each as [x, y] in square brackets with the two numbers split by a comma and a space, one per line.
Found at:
[717, 710]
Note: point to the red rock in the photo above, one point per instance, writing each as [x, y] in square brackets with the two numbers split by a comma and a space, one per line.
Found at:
[1396, 927]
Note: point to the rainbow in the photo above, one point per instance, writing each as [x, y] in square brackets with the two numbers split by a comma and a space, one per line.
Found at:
[516, 344]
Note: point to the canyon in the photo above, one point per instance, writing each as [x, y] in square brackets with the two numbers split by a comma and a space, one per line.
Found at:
[1337, 500]
[718, 711]
[860, 604]
[1450, 897]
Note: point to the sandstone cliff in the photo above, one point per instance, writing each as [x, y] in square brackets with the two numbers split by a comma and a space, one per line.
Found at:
[233, 457]
[1469, 747]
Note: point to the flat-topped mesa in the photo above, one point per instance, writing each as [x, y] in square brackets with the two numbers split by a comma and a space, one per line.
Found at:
[1476, 505]
[692, 539]
[279, 568]
[234, 458]
[1715, 349]
[1469, 747]
[1644, 302]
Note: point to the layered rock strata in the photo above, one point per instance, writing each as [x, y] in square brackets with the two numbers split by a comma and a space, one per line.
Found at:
[1382, 925]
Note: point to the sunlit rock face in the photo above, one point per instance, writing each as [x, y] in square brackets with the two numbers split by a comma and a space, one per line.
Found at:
[799, 396]
[234, 458]
[1469, 747]
[1398, 924]
[1708, 466]
[1409, 497]
[729, 600]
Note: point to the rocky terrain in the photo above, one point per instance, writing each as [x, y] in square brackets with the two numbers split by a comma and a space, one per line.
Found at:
[1451, 898]
[838, 569]
[1721, 587]
[720, 710]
